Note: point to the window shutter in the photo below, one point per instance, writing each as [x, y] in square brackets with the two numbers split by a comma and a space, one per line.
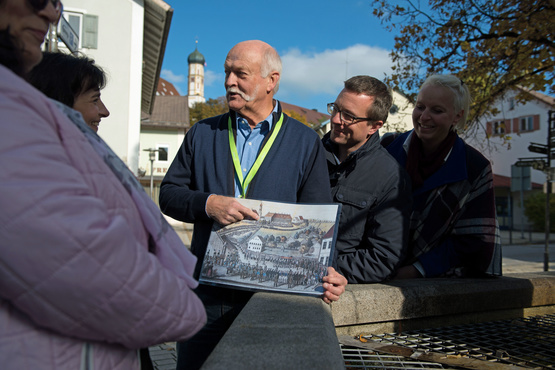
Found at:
[90, 31]
[536, 122]
[515, 125]
[507, 126]
[489, 128]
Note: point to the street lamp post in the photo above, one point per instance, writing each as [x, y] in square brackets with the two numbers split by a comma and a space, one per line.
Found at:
[151, 157]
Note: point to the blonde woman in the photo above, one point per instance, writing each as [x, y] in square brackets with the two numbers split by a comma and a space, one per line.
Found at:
[453, 226]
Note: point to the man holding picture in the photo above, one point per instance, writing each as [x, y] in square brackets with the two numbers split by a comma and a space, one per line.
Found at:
[255, 151]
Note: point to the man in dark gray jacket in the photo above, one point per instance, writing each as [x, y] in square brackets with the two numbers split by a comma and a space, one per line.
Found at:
[374, 191]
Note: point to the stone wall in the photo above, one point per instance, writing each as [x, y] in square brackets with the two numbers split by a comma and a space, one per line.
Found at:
[282, 331]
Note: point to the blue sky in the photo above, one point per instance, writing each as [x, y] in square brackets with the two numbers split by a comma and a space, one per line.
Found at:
[321, 43]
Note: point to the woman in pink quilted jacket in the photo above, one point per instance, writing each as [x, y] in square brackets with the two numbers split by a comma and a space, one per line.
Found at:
[89, 270]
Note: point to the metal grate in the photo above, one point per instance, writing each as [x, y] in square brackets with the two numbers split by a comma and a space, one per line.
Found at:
[357, 358]
[526, 342]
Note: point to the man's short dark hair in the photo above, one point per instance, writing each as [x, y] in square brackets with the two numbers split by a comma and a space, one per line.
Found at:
[383, 99]
[63, 77]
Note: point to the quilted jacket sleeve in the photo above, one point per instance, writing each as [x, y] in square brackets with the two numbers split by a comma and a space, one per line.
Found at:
[74, 257]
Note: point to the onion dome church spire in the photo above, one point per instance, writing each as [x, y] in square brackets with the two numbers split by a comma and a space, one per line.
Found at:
[196, 77]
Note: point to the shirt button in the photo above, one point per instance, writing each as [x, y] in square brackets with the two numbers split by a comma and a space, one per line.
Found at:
[340, 196]
[244, 170]
[250, 144]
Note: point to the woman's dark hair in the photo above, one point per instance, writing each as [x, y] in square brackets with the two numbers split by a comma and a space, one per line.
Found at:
[10, 53]
[63, 77]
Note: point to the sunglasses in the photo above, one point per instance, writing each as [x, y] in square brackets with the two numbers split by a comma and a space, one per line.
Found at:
[39, 5]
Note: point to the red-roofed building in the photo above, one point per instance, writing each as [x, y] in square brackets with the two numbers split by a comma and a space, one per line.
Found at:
[166, 88]
[313, 117]
[500, 181]
[163, 130]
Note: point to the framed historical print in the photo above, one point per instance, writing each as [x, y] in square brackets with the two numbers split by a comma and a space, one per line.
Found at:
[288, 249]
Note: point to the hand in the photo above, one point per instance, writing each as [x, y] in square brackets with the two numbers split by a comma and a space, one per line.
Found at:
[407, 272]
[227, 210]
[334, 285]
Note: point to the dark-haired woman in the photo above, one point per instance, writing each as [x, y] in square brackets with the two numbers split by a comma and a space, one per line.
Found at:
[75, 81]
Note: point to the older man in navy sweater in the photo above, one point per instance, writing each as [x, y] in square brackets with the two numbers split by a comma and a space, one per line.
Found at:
[254, 151]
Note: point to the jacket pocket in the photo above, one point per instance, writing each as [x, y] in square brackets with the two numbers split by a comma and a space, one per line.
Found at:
[356, 198]
[355, 207]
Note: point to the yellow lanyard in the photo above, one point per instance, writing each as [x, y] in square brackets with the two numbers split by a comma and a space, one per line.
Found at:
[259, 159]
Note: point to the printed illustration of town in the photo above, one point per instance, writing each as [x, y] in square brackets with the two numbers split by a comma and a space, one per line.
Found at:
[282, 251]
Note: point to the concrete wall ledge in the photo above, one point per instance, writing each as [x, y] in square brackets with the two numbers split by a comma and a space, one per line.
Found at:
[279, 331]
[284, 331]
[425, 303]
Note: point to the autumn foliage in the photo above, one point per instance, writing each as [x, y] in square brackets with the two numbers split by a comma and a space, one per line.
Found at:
[493, 46]
[212, 107]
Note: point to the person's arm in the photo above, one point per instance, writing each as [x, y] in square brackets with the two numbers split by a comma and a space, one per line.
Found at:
[178, 199]
[385, 239]
[473, 241]
[70, 262]
[315, 187]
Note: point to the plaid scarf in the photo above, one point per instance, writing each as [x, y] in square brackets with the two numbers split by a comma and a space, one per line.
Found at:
[421, 166]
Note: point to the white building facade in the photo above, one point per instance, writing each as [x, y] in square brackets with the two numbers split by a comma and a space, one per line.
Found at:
[127, 39]
[511, 132]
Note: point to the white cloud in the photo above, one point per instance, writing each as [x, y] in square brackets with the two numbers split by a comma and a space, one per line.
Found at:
[172, 77]
[176, 80]
[307, 74]
[210, 77]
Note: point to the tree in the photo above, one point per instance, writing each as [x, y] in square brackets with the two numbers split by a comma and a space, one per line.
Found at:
[299, 117]
[493, 46]
[213, 107]
[534, 209]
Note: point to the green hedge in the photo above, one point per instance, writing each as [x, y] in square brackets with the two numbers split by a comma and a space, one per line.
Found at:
[534, 209]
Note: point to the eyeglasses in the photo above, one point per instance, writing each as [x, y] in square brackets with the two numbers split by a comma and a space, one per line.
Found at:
[346, 118]
[39, 5]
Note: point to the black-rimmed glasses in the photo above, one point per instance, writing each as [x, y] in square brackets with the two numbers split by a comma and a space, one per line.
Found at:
[346, 118]
[39, 5]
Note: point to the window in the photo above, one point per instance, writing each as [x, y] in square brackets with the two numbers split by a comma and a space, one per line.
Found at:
[502, 206]
[162, 153]
[511, 103]
[526, 123]
[85, 27]
[498, 127]
[74, 21]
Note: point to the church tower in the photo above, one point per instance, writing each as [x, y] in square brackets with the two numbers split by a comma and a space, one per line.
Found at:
[196, 78]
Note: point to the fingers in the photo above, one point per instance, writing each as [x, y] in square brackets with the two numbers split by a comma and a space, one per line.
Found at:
[227, 210]
[334, 285]
[248, 213]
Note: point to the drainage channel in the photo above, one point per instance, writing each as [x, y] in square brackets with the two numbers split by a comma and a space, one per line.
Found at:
[527, 342]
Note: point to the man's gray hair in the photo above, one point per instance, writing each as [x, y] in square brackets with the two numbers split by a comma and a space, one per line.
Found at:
[271, 62]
